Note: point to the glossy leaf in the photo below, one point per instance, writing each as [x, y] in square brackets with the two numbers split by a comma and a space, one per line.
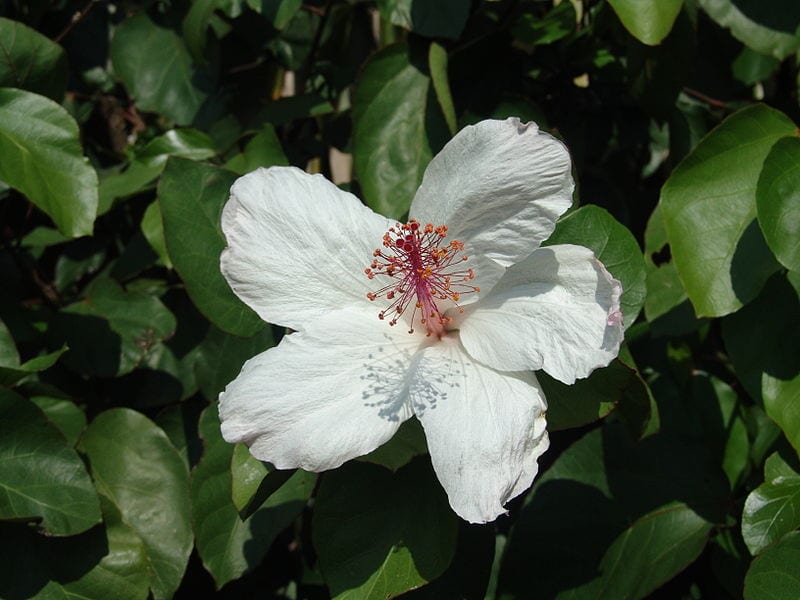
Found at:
[594, 397]
[555, 25]
[614, 245]
[776, 573]
[263, 150]
[64, 414]
[709, 210]
[609, 503]
[111, 331]
[228, 545]
[763, 340]
[408, 442]
[43, 159]
[771, 511]
[42, 479]
[437, 64]
[397, 123]
[157, 70]
[105, 562]
[152, 227]
[31, 61]
[774, 34]
[137, 469]
[778, 201]
[666, 299]
[148, 163]
[191, 196]
[380, 534]
[649, 21]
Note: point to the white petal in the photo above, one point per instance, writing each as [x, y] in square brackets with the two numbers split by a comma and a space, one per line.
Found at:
[499, 186]
[558, 310]
[324, 396]
[485, 429]
[297, 245]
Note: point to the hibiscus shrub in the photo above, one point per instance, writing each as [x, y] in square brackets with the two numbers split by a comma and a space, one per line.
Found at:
[464, 299]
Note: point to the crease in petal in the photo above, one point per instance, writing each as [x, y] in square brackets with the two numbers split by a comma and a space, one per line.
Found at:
[297, 245]
[485, 429]
[322, 397]
[499, 186]
[558, 310]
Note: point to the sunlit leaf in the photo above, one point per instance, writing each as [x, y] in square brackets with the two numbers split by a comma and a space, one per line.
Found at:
[137, 469]
[42, 479]
[31, 61]
[709, 209]
[191, 196]
[42, 158]
[380, 534]
[778, 201]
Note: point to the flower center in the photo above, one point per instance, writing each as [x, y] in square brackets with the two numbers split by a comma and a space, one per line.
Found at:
[424, 269]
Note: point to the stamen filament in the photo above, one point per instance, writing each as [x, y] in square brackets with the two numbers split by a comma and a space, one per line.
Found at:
[425, 270]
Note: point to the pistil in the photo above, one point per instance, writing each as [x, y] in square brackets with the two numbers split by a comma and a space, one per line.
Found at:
[425, 270]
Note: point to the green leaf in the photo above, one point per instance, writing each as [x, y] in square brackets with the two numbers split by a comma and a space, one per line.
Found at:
[137, 469]
[408, 442]
[771, 511]
[763, 341]
[397, 126]
[30, 61]
[587, 400]
[195, 26]
[709, 209]
[228, 545]
[650, 551]
[666, 300]
[152, 227]
[778, 201]
[540, 31]
[263, 150]
[437, 64]
[64, 414]
[613, 518]
[105, 562]
[444, 18]
[716, 408]
[41, 476]
[277, 12]
[614, 245]
[111, 331]
[157, 70]
[42, 158]
[11, 375]
[775, 575]
[191, 196]
[776, 467]
[253, 480]
[379, 534]
[768, 28]
[149, 162]
[221, 356]
[649, 21]
[9, 357]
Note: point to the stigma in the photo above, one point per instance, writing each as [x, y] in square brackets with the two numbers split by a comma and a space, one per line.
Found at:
[428, 275]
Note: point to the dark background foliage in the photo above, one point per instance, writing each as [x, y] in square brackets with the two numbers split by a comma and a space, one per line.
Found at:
[672, 473]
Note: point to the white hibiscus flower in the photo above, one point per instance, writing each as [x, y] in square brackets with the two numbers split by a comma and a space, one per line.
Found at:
[468, 332]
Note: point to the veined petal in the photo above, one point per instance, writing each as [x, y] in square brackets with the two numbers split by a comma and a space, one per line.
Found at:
[558, 310]
[499, 186]
[485, 429]
[324, 396]
[297, 245]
